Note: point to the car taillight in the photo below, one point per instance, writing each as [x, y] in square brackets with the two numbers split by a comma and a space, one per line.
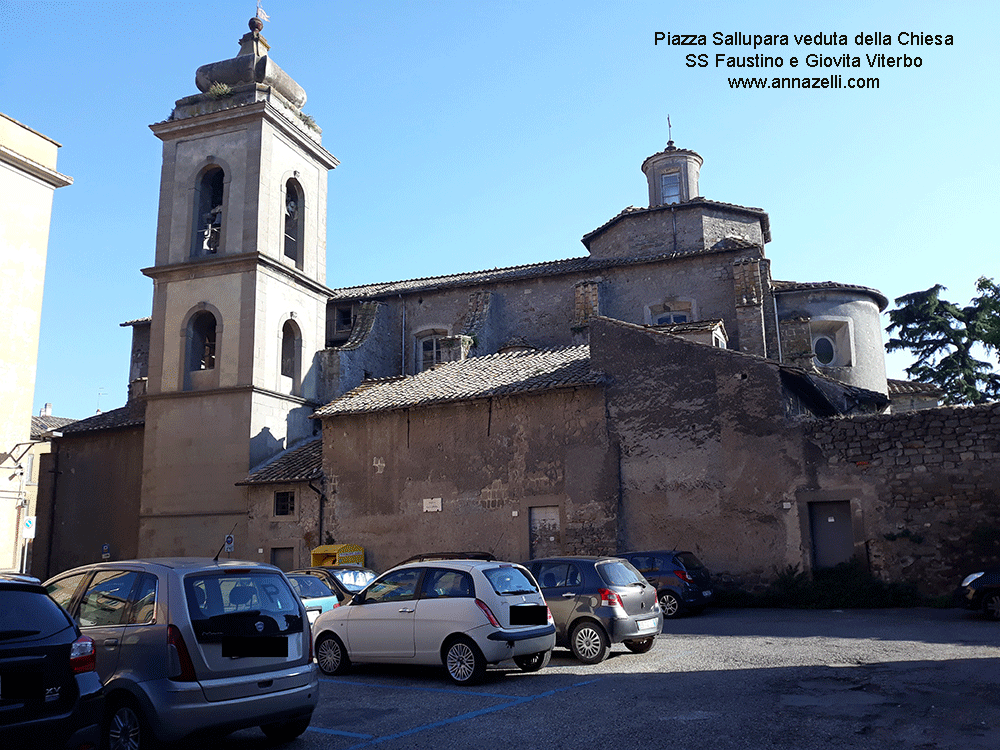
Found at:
[82, 655]
[309, 637]
[548, 612]
[610, 599]
[181, 668]
[488, 612]
[684, 576]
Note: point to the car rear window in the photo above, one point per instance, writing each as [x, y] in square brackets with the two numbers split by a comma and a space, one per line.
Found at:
[354, 580]
[310, 587]
[619, 573]
[689, 561]
[27, 615]
[509, 579]
[227, 604]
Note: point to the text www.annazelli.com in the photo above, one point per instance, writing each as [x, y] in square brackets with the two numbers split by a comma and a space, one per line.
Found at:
[804, 82]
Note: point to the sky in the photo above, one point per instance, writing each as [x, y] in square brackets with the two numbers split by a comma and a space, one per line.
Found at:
[477, 134]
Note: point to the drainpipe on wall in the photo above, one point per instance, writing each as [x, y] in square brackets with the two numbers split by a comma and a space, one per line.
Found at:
[402, 336]
[777, 325]
[322, 503]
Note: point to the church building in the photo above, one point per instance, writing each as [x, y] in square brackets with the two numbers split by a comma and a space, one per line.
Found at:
[663, 389]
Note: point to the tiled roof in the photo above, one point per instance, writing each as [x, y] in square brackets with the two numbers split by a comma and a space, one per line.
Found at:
[133, 414]
[915, 387]
[474, 378]
[137, 322]
[300, 463]
[691, 203]
[800, 286]
[497, 275]
[41, 425]
[694, 326]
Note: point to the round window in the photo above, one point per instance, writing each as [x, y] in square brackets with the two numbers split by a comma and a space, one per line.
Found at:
[823, 350]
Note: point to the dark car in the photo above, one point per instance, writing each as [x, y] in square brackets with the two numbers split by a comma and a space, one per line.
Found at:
[597, 601]
[345, 580]
[981, 591]
[683, 584]
[50, 694]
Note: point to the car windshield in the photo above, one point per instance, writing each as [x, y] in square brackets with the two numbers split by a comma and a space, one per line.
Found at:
[354, 580]
[619, 573]
[310, 587]
[508, 579]
[689, 561]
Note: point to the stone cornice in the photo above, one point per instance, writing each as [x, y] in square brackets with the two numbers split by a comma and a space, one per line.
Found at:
[23, 164]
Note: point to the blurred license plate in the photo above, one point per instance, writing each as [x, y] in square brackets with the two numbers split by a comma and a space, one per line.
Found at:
[529, 614]
[706, 593]
[647, 624]
[261, 646]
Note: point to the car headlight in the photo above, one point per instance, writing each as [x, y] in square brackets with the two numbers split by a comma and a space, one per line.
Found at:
[969, 579]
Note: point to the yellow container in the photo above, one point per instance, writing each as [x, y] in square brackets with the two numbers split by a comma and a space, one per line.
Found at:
[338, 554]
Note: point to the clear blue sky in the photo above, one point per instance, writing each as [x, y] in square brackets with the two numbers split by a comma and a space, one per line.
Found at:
[480, 134]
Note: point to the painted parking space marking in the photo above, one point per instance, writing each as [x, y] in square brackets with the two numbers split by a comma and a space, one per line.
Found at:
[453, 691]
[511, 702]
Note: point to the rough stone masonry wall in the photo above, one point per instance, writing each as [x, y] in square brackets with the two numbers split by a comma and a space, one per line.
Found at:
[937, 513]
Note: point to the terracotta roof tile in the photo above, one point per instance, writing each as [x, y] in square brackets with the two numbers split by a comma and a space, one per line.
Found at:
[474, 378]
[133, 414]
[900, 387]
[300, 463]
[41, 425]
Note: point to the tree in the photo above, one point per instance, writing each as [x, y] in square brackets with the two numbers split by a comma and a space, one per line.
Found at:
[943, 337]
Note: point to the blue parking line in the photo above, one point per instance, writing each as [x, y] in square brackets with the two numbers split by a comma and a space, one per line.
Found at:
[466, 716]
[338, 733]
[454, 691]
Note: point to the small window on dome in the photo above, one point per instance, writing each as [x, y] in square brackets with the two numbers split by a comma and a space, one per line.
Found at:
[670, 188]
[824, 350]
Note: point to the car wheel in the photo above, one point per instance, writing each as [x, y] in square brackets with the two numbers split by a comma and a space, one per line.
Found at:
[286, 731]
[991, 606]
[464, 661]
[670, 605]
[533, 662]
[331, 655]
[589, 643]
[640, 646]
[125, 727]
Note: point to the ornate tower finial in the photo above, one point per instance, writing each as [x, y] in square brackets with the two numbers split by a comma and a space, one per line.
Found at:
[670, 137]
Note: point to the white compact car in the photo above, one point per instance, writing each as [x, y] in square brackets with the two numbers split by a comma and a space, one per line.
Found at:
[463, 614]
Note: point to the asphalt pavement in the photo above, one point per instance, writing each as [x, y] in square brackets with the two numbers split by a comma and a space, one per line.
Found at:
[909, 678]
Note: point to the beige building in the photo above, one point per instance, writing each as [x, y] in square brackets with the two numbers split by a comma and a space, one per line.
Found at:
[28, 179]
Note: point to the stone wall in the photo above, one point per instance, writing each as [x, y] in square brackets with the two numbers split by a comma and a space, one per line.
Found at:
[931, 476]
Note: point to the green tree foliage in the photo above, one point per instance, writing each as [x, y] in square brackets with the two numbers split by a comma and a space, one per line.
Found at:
[943, 336]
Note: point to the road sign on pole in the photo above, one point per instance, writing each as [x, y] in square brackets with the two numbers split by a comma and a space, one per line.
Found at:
[28, 532]
[230, 541]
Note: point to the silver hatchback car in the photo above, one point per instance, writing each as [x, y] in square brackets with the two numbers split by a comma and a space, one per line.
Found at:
[189, 645]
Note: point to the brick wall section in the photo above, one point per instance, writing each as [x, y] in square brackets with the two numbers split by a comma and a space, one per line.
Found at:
[796, 343]
[936, 511]
[587, 303]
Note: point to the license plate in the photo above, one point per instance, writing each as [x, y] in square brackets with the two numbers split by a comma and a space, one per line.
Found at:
[706, 593]
[647, 624]
[262, 646]
[528, 614]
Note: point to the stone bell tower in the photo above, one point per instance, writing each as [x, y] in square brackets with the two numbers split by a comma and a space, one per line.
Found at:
[239, 297]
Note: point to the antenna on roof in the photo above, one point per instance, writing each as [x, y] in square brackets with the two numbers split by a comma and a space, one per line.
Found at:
[216, 558]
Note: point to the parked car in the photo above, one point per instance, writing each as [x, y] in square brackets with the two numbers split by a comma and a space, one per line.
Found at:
[192, 644]
[597, 601]
[682, 583]
[50, 694]
[980, 591]
[462, 614]
[315, 594]
[345, 580]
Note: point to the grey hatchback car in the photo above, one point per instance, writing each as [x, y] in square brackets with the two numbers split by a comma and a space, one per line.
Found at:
[597, 601]
[188, 645]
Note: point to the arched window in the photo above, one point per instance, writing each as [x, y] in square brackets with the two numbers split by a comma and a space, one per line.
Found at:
[293, 221]
[208, 213]
[201, 354]
[291, 356]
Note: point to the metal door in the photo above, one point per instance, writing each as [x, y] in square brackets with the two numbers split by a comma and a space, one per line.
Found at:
[832, 535]
[546, 540]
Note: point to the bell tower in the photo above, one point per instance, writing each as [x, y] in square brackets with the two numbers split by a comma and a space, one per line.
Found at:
[239, 297]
